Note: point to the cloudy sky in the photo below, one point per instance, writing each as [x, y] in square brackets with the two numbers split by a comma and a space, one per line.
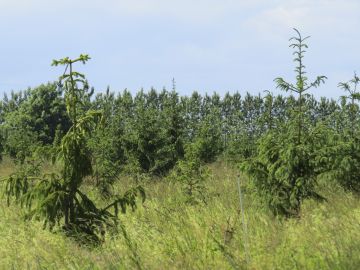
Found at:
[206, 45]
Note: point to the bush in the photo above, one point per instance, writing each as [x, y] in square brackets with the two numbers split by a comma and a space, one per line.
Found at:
[191, 174]
[284, 171]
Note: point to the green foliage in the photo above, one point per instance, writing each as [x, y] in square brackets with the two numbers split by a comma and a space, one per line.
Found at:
[302, 84]
[341, 158]
[58, 199]
[19, 141]
[34, 121]
[352, 109]
[208, 138]
[341, 161]
[18, 184]
[285, 172]
[248, 125]
[106, 144]
[8, 105]
[19, 138]
[285, 169]
[148, 133]
[192, 174]
[47, 112]
[1, 147]
[153, 137]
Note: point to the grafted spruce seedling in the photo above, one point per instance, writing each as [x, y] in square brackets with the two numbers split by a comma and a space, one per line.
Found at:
[57, 198]
[284, 169]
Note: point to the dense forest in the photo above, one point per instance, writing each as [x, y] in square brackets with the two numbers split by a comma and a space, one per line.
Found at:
[288, 147]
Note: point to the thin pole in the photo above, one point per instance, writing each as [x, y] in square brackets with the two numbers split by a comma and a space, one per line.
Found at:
[245, 231]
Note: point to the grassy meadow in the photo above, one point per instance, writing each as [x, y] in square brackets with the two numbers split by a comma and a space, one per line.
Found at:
[167, 233]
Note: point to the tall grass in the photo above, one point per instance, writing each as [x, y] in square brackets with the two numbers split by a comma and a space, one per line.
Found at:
[167, 233]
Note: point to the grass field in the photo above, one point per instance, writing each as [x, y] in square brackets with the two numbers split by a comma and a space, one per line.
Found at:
[167, 233]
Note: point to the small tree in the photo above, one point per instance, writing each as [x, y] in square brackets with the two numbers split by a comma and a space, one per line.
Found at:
[191, 173]
[58, 199]
[208, 136]
[341, 159]
[351, 88]
[106, 144]
[284, 169]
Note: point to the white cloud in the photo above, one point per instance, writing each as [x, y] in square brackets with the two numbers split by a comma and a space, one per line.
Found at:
[323, 16]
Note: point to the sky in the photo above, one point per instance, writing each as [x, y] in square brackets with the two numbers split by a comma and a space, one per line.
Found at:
[206, 45]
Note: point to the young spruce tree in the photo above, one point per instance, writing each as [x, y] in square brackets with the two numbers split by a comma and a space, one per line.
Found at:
[58, 198]
[284, 169]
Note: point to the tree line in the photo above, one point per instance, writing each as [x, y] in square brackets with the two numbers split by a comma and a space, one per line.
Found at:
[150, 129]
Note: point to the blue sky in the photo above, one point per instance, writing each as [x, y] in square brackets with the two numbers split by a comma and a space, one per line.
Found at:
[206, 45]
